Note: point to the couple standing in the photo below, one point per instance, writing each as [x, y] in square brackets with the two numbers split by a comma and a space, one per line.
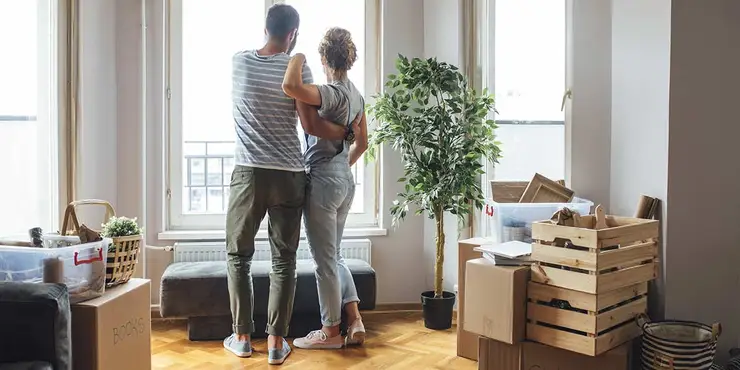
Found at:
[270, 91]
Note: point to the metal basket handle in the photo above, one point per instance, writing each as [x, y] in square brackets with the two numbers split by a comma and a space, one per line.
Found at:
[641, 320]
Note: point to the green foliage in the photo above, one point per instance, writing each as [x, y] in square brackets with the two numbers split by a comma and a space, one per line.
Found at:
[121, 226]
[441, 128]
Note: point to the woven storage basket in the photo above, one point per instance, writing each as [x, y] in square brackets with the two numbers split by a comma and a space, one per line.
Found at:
[677, 345]
[123, 254]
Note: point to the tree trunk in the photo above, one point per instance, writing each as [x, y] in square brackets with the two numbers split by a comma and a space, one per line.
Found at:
[440, 256]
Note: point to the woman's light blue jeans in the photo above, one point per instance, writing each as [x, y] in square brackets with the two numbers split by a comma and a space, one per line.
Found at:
[330, 193]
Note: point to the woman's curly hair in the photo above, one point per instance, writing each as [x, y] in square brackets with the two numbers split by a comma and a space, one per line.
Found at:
[337, 49]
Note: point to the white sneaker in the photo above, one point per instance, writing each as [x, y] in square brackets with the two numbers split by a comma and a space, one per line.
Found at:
[356, 333]
[317, 339]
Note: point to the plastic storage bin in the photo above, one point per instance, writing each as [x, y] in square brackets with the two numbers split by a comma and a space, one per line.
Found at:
[513, 221]
[81, 267]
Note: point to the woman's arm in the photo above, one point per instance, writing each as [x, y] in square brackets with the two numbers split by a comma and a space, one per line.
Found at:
[314, 125]
[360, 144]
[293, 85]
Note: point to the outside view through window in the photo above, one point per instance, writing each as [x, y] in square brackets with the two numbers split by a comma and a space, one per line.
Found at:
[529, 76]
[27, 129]
[211, 35]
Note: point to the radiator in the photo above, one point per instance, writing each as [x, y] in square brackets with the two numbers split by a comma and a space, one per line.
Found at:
[216, 251]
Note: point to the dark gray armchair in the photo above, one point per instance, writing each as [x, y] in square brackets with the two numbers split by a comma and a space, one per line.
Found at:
[35, 331]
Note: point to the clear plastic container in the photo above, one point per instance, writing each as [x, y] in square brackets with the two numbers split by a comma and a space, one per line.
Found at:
[513, 221]
[81, 267]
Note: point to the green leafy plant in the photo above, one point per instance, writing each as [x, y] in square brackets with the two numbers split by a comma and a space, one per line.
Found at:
[121, 226]
[440, 126]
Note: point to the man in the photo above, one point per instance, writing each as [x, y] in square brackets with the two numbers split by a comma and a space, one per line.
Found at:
[269, 178]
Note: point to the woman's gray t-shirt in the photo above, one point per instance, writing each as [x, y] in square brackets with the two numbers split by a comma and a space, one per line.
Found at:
[340, 100]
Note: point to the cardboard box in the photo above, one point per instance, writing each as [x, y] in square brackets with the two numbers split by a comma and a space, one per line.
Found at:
[467, 342]
[113, 332]
[496, 300]
[495, 355]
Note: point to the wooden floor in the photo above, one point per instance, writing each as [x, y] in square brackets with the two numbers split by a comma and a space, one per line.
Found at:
[396, 340]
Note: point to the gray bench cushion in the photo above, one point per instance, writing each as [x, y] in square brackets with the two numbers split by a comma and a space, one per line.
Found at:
[191, 289]
[27, 366]
[35, 325]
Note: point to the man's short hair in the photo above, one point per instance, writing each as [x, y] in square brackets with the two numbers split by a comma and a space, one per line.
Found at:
[282, 19]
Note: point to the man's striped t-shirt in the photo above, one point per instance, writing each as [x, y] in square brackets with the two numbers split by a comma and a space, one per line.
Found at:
[265, 118]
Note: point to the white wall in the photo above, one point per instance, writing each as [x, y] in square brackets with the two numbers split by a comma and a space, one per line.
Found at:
[398, 258]
[588, 113]
[641, 32]
[443, 40]
[98, 142]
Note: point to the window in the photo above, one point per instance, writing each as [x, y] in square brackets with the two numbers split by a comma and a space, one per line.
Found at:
[526, 71]
[28, 115]
[202, 39]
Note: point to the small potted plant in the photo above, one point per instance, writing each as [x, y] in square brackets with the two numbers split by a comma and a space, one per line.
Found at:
[440, 126]
[123, 253]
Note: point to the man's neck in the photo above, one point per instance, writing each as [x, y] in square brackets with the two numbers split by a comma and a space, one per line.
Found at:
[271, 48]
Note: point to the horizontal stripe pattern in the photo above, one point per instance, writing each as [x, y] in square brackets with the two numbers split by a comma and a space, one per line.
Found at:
[265, 118]
[692, 349]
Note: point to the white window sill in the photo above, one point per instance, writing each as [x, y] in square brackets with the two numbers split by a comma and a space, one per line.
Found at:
[219, 235]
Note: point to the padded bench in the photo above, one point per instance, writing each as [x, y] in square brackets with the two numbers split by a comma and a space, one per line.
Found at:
[198, 291]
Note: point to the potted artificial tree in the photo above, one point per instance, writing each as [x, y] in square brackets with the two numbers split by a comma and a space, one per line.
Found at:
[440, 126]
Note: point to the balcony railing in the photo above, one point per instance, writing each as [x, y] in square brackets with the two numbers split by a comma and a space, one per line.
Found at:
[207, 174]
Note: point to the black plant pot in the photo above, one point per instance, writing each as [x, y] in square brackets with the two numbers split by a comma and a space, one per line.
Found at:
[437, 311]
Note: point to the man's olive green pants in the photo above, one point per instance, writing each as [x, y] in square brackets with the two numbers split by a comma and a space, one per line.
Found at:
[255, 192]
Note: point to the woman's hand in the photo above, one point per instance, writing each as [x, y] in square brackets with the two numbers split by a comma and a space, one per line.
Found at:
[299, 57]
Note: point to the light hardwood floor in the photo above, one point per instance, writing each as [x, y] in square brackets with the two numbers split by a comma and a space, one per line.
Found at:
[396, 340]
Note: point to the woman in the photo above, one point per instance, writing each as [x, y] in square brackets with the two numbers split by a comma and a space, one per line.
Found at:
[331, 186]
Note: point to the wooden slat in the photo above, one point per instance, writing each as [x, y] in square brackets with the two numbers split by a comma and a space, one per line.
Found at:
[620, 314]
[625, 277]
[627, 255]
[613, 297]
[616, 337]
[566, 279]
[560, 317]
[548, 232]
[564, 256]
[561, 339]
[576, 299]
[508, 191]
[626, 234]
[395, 340]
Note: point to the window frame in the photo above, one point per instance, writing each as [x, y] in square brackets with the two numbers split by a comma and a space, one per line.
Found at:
[176, 219]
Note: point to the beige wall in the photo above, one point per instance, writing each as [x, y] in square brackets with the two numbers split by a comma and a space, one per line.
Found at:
[702, 236]
[674, 135]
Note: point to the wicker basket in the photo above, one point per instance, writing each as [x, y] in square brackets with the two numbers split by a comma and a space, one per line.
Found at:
[123, 254]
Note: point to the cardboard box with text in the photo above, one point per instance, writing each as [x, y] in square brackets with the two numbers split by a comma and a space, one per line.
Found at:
[496, 300]
[113, 332]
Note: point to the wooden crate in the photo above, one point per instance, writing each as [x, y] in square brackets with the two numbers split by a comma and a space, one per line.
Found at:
[590, 324]
[595, 261]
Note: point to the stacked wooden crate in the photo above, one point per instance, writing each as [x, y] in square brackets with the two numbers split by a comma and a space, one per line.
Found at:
[590, 282]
